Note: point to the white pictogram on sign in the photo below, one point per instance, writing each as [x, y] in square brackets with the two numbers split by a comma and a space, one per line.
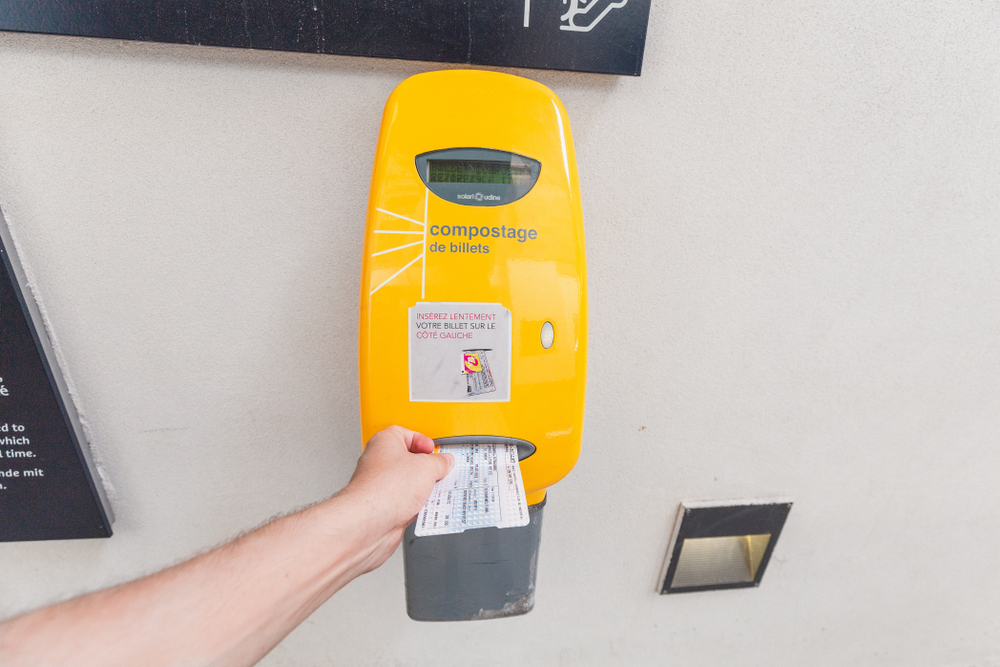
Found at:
[584, 7]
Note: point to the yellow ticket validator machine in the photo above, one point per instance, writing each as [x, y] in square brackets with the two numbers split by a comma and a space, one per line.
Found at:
[474, 310]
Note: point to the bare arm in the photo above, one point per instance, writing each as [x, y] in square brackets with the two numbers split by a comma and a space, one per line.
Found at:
[232, 605]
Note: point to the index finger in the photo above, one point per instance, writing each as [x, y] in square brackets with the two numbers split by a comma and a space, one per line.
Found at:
[418, 443]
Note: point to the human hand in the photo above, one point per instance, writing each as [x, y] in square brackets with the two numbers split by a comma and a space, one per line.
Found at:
[394, 477]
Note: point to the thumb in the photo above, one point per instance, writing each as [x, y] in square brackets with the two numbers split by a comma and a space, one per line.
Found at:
[441, 464]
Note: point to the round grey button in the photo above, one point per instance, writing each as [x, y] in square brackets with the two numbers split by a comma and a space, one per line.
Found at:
[548, 335]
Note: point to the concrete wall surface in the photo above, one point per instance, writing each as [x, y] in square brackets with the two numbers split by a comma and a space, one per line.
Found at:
[794, 258]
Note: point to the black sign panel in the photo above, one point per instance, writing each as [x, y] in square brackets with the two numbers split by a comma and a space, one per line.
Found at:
[47, 483]
[606, 36]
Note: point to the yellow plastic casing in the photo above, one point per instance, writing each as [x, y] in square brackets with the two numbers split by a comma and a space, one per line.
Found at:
[542, 280]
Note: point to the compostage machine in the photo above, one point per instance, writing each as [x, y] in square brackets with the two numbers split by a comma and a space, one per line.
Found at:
[473, 326]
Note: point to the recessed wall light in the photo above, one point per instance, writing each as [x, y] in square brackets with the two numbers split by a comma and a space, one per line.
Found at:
[722, 544]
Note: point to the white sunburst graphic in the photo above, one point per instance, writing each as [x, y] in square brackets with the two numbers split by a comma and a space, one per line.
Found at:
[422, 242]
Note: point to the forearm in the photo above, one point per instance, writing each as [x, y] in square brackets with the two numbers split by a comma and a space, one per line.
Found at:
[227, 607]
[231, 606]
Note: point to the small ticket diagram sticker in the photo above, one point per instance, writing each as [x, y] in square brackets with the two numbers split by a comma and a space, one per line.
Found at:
[471, 362]
[459, 352]
[476, 367]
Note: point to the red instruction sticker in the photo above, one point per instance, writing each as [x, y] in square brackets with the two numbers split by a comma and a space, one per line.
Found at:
[459, 352]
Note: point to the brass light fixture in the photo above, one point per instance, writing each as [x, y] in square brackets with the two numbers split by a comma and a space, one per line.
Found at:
[722, 544]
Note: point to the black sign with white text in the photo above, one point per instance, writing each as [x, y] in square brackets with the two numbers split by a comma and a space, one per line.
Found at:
[47, 486]
[606, 36]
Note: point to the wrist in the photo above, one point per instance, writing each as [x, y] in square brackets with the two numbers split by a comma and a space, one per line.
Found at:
[355, 525]
[371, 507]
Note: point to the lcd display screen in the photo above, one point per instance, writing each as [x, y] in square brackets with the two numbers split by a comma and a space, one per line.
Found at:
[478, 171]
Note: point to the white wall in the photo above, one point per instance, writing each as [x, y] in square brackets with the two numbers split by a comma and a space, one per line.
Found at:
[794, 262]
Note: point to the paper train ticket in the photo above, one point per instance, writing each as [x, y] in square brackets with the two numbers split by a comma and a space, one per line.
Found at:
[483, 489]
